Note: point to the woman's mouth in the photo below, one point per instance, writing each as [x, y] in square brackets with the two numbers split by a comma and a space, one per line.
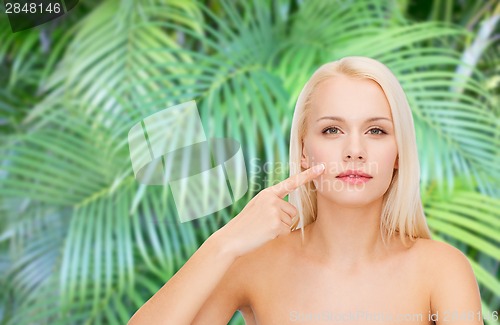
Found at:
[354, 177]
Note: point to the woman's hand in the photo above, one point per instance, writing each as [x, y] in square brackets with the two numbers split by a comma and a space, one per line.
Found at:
[266, 216]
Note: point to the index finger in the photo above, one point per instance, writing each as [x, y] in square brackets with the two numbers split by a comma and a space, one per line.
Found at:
[290, 184]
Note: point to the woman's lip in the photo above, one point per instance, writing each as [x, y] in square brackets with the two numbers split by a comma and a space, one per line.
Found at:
[354, 173]
[354, 179]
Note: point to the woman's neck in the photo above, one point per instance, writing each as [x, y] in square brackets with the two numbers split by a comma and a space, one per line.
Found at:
[346, 236]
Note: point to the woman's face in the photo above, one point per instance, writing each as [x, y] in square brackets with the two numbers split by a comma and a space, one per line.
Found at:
[349, 128]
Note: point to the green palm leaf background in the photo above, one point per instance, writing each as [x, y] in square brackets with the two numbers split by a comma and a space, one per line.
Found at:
[81, 241]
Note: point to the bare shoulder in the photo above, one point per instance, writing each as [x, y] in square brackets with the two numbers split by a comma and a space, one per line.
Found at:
[235, 290]
[440, 254]
[268, 260]
[260, 261]
[441, 260]
[453, 285]
[253, 271]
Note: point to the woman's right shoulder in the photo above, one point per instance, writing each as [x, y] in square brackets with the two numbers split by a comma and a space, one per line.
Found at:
[262, 257]
[245, 276]
[256, 266]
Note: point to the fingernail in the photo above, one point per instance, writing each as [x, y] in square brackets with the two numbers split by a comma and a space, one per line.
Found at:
[318, 168]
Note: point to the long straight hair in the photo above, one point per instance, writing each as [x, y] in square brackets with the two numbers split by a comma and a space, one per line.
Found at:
[402, 210]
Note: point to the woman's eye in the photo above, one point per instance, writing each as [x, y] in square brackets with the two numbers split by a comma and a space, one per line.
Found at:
[376, 131]
[331, 130]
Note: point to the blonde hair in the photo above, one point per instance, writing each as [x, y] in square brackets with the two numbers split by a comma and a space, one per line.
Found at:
[402, 210]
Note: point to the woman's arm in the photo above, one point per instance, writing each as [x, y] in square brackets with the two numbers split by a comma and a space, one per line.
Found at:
[264, 218]
[180, 299]
[455, 298]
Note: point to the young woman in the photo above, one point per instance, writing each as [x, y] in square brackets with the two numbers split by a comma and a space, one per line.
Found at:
[351, 246]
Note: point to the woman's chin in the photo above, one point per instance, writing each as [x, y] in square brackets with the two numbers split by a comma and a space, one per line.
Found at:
[351, 202]
[352, 197]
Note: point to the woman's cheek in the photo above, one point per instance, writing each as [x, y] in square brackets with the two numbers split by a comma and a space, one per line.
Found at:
[386, 163]
[325, 182]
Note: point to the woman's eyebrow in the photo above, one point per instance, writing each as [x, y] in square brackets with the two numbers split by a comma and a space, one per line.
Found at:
[336, 118]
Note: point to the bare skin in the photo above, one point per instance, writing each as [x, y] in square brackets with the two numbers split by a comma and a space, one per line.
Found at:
[343, 266]
[343, 273]
[403, 285]
[313, 291]
[256, 265]
[189, 296]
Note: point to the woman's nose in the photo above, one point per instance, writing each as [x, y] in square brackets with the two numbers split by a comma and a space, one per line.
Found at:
[354, 152]
[354, 157]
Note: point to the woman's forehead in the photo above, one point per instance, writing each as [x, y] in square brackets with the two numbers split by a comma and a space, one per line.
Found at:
[349, 98]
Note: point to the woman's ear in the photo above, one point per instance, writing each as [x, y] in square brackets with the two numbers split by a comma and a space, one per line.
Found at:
[396, 164]
[304, 160]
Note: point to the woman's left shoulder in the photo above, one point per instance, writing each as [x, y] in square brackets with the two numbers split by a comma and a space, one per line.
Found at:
[442, 256]
[450, 278]
[437, 249]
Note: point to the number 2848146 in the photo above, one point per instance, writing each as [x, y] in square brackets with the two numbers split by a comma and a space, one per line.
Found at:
[33, 8]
